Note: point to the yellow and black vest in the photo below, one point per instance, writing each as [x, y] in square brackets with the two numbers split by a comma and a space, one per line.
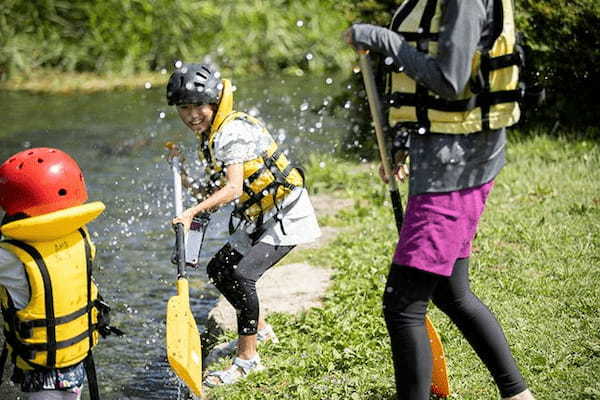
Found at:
[58, 327]
[490, 98]
[267, 178]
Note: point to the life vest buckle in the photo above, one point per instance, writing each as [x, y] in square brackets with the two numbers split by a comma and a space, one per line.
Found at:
[25, 331]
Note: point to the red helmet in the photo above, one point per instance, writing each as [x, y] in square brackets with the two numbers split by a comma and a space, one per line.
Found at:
[39, 181]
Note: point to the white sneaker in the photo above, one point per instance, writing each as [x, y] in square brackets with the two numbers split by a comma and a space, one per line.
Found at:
[240, 369]
[266, 334]
[223, 350]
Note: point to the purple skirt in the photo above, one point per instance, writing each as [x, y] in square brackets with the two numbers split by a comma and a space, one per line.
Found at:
[439, 228]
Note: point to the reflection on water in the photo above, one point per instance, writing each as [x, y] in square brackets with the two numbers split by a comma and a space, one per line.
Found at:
[117, 138]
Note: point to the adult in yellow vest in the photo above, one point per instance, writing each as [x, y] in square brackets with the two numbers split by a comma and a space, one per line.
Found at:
[272, 214]
[450, 90]
[52, 312]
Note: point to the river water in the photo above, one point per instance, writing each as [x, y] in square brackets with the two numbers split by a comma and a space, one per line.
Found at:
[118, 138]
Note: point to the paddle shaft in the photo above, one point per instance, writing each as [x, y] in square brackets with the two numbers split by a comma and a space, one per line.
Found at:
[378, 121]
[179, 228]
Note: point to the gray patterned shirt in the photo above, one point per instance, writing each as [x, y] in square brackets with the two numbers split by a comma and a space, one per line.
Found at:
[440, 162]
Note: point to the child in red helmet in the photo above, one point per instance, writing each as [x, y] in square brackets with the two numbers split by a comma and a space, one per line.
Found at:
[53, 314]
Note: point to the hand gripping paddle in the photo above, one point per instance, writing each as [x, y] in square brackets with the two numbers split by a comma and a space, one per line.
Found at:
[184, 350]
[439, 380]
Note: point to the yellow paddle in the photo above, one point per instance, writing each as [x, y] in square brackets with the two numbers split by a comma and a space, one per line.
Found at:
[439, 382]
[184, 350]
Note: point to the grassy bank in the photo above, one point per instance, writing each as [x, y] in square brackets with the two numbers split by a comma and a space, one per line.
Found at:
[57, 82]
[536, 264]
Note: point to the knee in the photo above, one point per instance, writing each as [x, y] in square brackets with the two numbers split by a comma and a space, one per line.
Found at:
[456, 305]
[400, 310]
[222, 264]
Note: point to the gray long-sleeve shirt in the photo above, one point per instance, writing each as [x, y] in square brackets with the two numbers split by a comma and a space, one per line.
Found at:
[445, 162]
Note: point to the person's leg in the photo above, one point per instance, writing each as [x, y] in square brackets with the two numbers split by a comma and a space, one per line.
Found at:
[235, 276]
[405, 301]
[479, 326]
[249, 270]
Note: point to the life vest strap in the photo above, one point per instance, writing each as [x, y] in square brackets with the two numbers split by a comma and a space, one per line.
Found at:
[25, 326]
[90, 371]
[416, 36]
[27, 350]
[48, 298]
[399, 99]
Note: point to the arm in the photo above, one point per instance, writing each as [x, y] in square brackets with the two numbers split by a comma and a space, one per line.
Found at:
[231, 191]
[448, 72]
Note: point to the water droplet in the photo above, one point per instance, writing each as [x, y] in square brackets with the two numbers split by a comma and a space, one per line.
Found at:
[309, 56]
[422, 130]
[356, 69]
[178, 64]
[388, 61]
[148, 85]
[304, 106]
[329, 81]
[299, 23]
[322, 164]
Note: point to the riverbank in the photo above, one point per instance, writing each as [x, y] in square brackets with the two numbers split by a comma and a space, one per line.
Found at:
[58, 82]
[535, 263]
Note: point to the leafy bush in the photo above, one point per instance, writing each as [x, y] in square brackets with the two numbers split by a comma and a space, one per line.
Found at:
[565, 48]
[138, 35]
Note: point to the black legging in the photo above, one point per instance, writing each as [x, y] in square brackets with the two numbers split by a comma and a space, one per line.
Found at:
[407, 294]
[235, 276]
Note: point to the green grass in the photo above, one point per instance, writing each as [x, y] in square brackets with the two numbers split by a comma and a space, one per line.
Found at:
[536, 263]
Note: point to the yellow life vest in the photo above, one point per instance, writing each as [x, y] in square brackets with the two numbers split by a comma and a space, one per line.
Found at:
[267, 178]
[59, 325]
[489, 100]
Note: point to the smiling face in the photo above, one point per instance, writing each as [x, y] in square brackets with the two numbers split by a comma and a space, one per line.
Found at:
[197, 117]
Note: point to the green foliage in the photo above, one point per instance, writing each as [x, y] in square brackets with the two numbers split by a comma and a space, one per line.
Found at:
[535, 263]
[565, 48]
[139, 35]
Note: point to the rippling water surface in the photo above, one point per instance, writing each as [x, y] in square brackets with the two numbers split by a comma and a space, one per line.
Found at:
[117, 138]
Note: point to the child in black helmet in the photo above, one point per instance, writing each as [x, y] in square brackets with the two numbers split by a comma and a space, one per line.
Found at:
[272, 214]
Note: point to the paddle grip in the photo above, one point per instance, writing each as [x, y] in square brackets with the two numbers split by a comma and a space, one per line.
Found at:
[180, 249]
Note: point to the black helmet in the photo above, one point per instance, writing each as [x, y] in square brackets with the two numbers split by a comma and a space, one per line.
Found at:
[194, 84]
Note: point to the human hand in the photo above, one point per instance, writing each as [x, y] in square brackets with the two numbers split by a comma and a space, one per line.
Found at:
[400, 172]
[185, 218]
[174, 151]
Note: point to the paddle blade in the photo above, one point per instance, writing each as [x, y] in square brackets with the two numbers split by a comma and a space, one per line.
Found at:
[184, 350]
[440, 385]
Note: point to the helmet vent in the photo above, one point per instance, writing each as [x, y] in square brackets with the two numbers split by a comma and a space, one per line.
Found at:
[39, 160]
[20, 166]
[62, 192]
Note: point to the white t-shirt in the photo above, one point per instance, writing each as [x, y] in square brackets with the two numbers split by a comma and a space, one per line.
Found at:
[239, 141]
[12, 277]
